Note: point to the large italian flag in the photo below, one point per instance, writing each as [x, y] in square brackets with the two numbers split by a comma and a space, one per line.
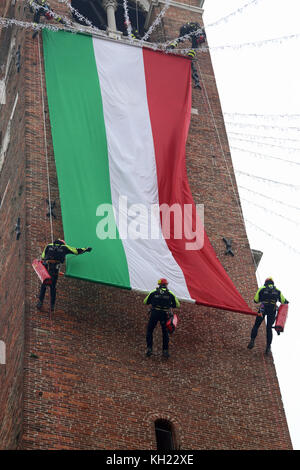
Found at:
[119, 117]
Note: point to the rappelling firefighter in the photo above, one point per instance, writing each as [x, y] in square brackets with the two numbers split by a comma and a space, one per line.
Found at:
[42, 8]
[53, 257]
[134, 31]
[161, 300]
[268, 296]
[197, 36]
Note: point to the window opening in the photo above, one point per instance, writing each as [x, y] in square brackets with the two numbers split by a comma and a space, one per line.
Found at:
[96, 14]
[164, 435]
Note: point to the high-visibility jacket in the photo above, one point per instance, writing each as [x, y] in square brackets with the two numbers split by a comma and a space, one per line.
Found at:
[58, 252]
[269, 295]
[162, 298]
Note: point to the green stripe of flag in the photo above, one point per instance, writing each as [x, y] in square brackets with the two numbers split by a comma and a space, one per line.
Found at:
[80, 149]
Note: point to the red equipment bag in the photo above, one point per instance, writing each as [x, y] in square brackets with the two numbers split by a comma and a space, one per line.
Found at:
[172, 323]
[49, 15]
[42, 272]
[281, 318]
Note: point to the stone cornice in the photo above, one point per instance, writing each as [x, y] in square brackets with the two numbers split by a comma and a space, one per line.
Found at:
[183, 6]
[173, 3]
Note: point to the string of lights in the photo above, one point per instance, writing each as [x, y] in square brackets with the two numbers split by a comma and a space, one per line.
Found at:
[276, 201]
[78, 15]
[8, 22]
[262, 126]
[263, 155]
[272, 236]
[127, 20]
[257, 136]
[270, 211]
[267, 180]
[263, 116]
[225, 19]
[288, 149]
[157, 21]
[36, 6]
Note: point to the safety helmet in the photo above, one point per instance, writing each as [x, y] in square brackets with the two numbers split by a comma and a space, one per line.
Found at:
[162, 282]
[269, 280]
[59, 241]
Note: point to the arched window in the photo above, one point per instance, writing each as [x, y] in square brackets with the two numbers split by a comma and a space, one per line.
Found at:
[164, 435]
[96, 13]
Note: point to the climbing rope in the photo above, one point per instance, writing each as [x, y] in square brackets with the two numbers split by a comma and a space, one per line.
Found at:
[45, 142]
[275, 406]
[207, 102]
[51, 338]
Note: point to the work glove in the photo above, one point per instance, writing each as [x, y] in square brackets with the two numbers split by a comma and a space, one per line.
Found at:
[88, 249]
[259, 313]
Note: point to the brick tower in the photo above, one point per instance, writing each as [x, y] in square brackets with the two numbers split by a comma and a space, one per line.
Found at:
[79, 379]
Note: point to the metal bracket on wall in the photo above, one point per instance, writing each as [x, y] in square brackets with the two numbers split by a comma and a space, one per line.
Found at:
[51, 209]
[18, 58]
[228, 243]
[18, 229]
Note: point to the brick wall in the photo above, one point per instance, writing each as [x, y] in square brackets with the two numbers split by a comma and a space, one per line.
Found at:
[87, 383]
[12, 250]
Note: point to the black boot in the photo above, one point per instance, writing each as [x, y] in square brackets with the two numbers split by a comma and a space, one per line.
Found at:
[149, 352]
[251, 344]
[268, 350]
[39, 305]
[166, 353]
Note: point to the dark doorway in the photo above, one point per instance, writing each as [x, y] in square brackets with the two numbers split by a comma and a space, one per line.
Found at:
[164, 435]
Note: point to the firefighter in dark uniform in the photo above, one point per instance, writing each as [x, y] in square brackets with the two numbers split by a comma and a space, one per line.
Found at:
[268, 296]
[53, 256]
[42, 8]
[134, 31]
[135, 34]
[197, 36]
[161, 299]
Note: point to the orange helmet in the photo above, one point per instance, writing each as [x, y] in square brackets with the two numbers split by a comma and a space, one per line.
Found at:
[269, 280]
[162, 282]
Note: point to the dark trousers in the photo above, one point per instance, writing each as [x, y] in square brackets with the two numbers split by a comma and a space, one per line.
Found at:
[54, 277]
[162, 317]
[271, 315]
[37, 15]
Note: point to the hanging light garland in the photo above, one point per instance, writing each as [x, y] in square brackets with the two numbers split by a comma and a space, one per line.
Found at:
[157, 21]
[127, 20]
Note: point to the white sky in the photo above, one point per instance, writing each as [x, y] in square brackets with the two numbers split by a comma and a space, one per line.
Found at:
[265, 80]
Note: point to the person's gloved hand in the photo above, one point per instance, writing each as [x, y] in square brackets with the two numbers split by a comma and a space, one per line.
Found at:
[89, 248]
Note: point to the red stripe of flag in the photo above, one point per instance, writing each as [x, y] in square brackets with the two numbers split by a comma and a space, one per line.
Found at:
[169, 101]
